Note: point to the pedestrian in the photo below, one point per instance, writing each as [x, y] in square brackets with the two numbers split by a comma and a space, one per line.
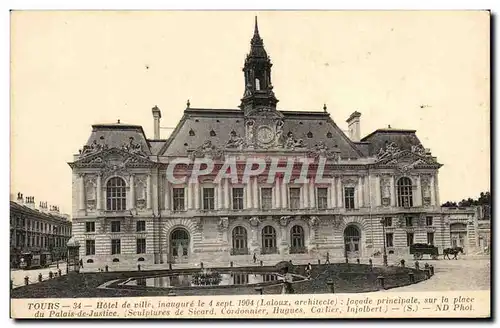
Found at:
[308, 270]
[327, 258]
[417, 265]
[81, 263]
[254, 258]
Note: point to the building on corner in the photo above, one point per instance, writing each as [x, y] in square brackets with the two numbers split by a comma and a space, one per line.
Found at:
[382, 189]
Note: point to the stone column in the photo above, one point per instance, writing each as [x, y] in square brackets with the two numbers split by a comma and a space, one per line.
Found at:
[339, 192]
[248, 189]
[312, 194]
[99, 192]
[436, 188]
[226, 194]
[418, 193]
[283, 187]
[197, 195]
[219, 196]
[305, 194]
[81, 191]
[167, 194]
[189, 195]
[148, 191]
[433, 191]
[360, 192]
[333, 194]
[393, 192]
[329, 197]
[255, 193]
[131, 192]
[277, 193]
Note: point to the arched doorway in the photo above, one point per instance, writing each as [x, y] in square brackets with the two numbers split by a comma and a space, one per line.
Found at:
[269, 245]
[458, 235]
[179, 245]
[352, 241]
[297, 240]
[239, 241]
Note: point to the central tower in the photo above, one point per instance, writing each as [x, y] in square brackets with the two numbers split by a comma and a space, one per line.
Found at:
[259, 93]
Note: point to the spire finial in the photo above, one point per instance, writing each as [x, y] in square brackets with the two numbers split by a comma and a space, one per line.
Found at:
[324, 108]
[188, 104]
[256, 29]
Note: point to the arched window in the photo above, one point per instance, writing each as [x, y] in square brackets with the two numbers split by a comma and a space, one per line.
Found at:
[116, 195]
[405, 195]
[179, 240]
[269, 240]
[297, 240]
[351, 239]
[239, 241]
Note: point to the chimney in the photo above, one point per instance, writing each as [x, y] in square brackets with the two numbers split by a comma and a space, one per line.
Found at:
[54, 210]
[156, 116]
[30, 202]
[43, 207]
[353, 126]
[20, 199]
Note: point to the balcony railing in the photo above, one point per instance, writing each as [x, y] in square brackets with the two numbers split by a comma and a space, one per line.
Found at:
[298, 250]
[239, 251]
[269, 250]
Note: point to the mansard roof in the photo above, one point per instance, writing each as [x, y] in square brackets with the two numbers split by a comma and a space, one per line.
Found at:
[216, 125]
[379, 139]
[117, 135]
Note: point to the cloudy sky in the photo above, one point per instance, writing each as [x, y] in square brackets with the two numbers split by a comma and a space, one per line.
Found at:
[427, 71]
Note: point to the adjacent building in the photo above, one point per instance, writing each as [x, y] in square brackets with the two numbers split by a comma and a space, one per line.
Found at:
[37, 230]
[382, 189]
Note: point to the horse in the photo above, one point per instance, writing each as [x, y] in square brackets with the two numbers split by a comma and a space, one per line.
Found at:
[453, 251]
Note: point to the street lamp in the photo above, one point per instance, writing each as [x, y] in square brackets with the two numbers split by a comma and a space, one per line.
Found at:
[385, 248]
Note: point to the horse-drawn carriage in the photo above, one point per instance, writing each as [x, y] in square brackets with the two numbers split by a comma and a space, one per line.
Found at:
[419, 250]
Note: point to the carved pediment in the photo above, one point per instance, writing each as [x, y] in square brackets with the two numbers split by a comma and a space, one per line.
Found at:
[321, 150]
[405, 160]
[112, 161]
[207, 150]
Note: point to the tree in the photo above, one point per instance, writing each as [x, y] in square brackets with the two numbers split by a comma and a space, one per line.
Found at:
[483, 199]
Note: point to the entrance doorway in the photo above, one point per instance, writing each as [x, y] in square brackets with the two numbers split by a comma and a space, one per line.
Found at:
[179, 245]
[352, 237]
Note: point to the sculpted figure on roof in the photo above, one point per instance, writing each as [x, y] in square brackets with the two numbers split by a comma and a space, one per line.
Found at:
[235, 141]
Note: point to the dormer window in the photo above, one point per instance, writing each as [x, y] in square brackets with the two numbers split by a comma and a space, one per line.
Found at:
[212, 133]
[191, 132]
[309, 134]
[329, 135]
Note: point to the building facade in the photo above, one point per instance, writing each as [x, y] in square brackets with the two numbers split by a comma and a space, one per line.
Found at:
[379, 190]
[37, 230]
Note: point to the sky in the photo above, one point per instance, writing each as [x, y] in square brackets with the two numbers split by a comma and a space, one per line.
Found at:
[427, 71]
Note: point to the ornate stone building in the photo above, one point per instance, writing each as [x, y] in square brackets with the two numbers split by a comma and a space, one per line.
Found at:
[37, 230]
[125, 209]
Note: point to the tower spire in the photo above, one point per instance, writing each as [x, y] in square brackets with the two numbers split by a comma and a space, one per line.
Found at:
[258, 88]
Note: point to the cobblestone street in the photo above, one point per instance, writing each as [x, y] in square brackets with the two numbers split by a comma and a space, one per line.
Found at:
[454, 275]
[17, 275]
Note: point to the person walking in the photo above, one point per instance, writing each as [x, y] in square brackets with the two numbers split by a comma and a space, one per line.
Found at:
[327, 258]
[254, 258]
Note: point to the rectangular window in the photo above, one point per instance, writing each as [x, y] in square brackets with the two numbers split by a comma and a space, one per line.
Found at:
[141, 246]
[389, 239]
[349, 197]
[322, 200]
[294, 198]
[409, 239]
[430, 238]
[115, 226]
[409, 221]
[428, 221]
[116, 246]
[237, 198]
[266, 196]
[208, 198]
[90, 226]
[89, 247]
[388, 222]
[178, 199]
[140, 226]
